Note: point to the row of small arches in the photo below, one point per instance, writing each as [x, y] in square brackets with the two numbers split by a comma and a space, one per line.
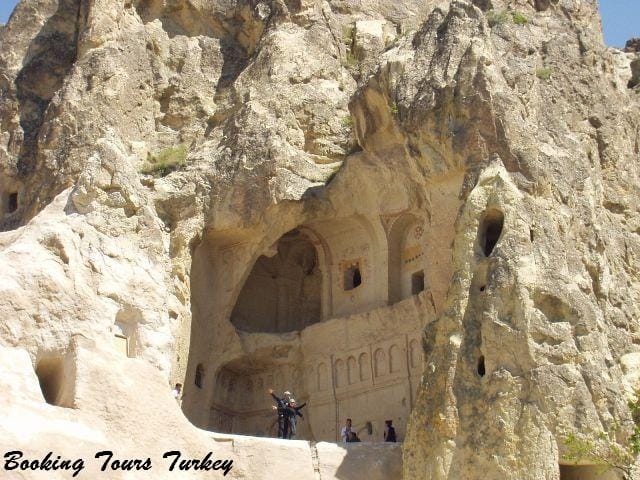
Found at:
[250, 390]
[353, 371]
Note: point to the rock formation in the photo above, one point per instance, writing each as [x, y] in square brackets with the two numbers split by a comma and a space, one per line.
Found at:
[394, 209]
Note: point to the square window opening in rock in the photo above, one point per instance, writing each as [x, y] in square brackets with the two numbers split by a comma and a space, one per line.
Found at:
[417, 282]
[352, 277]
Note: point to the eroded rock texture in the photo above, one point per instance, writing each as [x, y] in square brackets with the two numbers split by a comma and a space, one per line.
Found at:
[346, 181]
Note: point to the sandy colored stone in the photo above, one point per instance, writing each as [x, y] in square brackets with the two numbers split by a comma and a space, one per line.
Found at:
[417, 211]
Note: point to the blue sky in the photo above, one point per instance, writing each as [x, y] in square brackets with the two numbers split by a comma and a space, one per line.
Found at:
[620, 19]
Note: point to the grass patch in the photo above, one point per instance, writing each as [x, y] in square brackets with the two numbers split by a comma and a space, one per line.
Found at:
[348, 121]
[347, 35]
[544, 73]
[350, 60]
[497, 18]
[165, 161]
[519, 18]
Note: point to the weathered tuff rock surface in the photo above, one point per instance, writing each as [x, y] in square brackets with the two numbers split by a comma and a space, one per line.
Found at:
[524, 134]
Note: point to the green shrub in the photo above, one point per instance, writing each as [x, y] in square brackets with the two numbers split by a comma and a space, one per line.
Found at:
[394, 108]
[544, 73]
[496, 18]
[604, 448]
[347, 121]
[165, 161]
[519, 18]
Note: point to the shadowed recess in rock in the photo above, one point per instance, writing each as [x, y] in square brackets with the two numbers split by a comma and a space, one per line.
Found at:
[50, 57]
[490, 230]
[283, 291]
[50, 372]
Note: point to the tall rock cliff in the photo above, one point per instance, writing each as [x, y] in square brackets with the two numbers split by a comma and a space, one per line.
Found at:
[138, 136]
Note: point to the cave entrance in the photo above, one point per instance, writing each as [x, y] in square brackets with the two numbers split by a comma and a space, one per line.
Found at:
[50, 372]
[283, 291]
[241, 402]
[490, 230]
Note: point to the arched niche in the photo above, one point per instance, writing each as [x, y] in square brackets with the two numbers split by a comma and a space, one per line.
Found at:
[395, 359]
[406, 262]
[125, 331]
[364, 366]
[490, 230]
[241, 404]
[50, 372]
[380, 365]
[352, 368]
[340, 373]
[283, 292]
[356, 264]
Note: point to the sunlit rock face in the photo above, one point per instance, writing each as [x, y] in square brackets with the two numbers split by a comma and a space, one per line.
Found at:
[412, 211]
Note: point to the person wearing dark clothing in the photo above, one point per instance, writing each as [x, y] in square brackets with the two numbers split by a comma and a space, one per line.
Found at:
[389, 431]
[281, 407]
[292, 412]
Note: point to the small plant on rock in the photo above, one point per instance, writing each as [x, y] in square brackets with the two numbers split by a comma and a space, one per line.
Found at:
[544, 73]
[350, 60]
[165, 161]
[519, 18]
[347, 121]
[604, 449]
[497, 18]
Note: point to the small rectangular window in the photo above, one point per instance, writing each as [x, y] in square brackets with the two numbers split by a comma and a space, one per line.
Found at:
[121, 343]
[12, 202]
[417, 282]
[352, 277]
